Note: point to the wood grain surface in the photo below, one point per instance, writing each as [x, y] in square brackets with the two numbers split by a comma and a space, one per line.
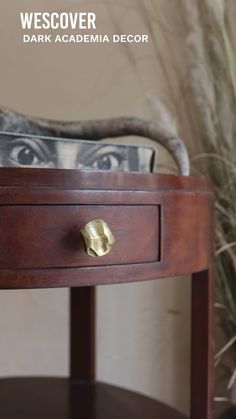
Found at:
[55, 398]
[48, 236]
[159, 232]
[164, 227]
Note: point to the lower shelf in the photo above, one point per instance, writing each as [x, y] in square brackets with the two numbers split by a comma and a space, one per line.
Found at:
[58, 398]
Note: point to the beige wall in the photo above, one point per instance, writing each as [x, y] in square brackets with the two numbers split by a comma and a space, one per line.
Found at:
[142, 329]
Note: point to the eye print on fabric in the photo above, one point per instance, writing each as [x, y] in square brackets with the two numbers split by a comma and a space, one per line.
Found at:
[102, 158]
[27, 152]
[43, 152]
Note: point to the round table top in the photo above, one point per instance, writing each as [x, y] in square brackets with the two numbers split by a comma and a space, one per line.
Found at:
[49, 398]
[162, 226]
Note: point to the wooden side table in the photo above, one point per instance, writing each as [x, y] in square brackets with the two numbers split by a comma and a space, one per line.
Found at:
[163, 227]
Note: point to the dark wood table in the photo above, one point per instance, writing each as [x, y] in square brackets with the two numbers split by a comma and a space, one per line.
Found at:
[163, 227]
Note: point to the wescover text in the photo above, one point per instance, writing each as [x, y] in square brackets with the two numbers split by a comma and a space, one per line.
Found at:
[55, 20]
[70, 27]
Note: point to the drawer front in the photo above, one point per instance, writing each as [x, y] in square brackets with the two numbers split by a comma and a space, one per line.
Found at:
[48, 236]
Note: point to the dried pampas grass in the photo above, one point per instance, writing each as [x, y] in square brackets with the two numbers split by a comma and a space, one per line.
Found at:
[211, 85]
[206, 89]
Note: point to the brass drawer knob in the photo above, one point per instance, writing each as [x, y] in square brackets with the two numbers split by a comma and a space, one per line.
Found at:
[98, 238]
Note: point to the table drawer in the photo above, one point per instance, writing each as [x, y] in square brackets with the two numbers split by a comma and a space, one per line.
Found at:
[48, 236]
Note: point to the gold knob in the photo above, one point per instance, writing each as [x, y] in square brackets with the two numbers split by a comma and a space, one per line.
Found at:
[98, 238]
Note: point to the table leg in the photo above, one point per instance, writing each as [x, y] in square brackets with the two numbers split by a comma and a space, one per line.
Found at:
[202, 345]
[82, 333]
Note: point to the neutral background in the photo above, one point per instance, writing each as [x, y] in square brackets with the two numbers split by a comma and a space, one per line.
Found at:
[142, 329]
